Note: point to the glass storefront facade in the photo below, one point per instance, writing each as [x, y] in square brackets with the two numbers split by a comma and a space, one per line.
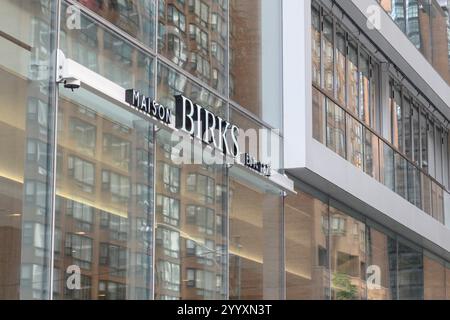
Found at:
[94, 206]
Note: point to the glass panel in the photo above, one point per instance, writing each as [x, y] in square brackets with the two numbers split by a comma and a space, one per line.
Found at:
[316, 50]
[352, 77]
[416, 135]
[348, 257]
[171, 83]
[407, 112]
[414, 193]
[354, 142]
[387, 166]
[437, 197]
[318, 115]
[393, 271]
[256, 57]
[400, 175]
[135, 17]
[365, 111]
[410, 273]
[445, 160]
[103, 52]
[335, 128]
[378, 271]
[375, 86]
[193, 35]
[262, 143]
[431, 149]
[105, 199]
[255, 239]
[398, 128]
[438, 149]
[341, 53]
[371, 155]
[328, 55]
[27, 91]
[306, 241]
[414, 186]
[424, 141]
[191, 225]
[426, 194]
[434, 279]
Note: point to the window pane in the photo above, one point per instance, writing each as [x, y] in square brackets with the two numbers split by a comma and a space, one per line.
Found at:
[400, 175]
[352, 78]
[434, 279]
[416, 135]
[371, 154]
[354, 142]
[328, 55]
[306, 240]
[255, 240]
[365, 111]
[102, 51]
[410, 273]
[186, 207]
[26, 105]
[256, 57]
[318, 116]
[316, 45]
[398, 133]
[387, 166]
[137, 18]
[348, 256]
[426, 194]
[414, 192]
[103, 185]
[341, 53]
[407, 107]
[335, 128]
[424, 141]
[378, 261]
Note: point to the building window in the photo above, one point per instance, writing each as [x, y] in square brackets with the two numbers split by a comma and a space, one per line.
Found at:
[80, 249]
[84, 135]
[117, 185]
[83, 172]
[117, 150]
[169, 241]
[202, 217]
[169, 208]
[108, 290]
[202, 185]
[114, 257]
[169, 275]
[171, 178]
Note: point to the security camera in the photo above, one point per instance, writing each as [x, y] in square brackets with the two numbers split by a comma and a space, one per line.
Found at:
[72, 83]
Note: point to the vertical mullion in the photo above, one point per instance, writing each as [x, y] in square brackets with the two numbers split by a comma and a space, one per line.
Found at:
[227, 168]
[55, 25]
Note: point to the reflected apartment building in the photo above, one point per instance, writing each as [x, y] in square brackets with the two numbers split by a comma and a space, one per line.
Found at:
[93, 205]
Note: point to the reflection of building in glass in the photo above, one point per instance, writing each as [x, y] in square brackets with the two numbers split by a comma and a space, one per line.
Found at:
[357, 204]
[193, 35]
[104, 204]
[426, 23]
[190, 229]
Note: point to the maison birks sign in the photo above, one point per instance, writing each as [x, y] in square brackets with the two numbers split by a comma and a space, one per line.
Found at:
[199, 123]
